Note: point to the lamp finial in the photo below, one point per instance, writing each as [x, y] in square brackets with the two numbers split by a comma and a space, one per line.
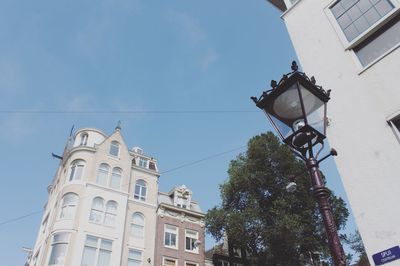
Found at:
[295, 67]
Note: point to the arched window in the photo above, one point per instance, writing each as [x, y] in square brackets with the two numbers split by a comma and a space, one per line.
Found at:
[114, 148]
[58, 249]
[84, 138]
[68, 206]
[76, 171]
[102, 174]
[140, 190]
[97, 211]
[111, 213]
[116, 177]
[137, 225]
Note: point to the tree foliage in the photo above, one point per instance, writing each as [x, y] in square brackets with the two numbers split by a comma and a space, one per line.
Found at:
[356, 244]
[276, 227]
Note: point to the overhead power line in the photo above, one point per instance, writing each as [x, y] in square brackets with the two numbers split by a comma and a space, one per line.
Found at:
[79, 112]
[15, 219]
[20, 217]
[201, 160]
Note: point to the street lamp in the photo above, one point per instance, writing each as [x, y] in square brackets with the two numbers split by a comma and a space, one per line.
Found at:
[293, 106]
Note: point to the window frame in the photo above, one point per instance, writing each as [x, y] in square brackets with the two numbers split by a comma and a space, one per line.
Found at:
[224, 262]
[143, 163]
[100, 211]
[139, 196]
[102, 170]
[114, 145]
[64, 242]
[135, 259]
[64, 206]
[351, 45]
[169, 258]
[110, 214]
[115, 172]
[190, 263]
[137, 225]
[188, 233]
[84, 139]
[170, 231]
[98, 248]
[72, 174]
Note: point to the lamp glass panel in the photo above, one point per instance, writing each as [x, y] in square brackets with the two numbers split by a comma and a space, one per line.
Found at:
[284, 129]
[288, 105]
[316, 119]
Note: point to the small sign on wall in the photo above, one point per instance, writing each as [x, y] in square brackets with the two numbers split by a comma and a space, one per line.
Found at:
[386, 256]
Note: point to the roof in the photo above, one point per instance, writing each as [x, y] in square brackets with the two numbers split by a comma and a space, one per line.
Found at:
[280, 4]
[168, 199]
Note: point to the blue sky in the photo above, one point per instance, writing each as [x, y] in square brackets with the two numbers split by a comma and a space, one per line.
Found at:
[136, 55]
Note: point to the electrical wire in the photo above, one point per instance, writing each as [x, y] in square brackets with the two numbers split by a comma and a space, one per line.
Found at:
[95, 112]
[15, 219]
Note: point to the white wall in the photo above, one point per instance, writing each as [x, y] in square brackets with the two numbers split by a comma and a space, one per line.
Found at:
[369, 152]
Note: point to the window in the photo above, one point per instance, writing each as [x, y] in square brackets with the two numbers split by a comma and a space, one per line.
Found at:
[58, 249]
[191, 239]
[97, 252]
[140, 190]
[111, 213]
[137, 226]
[169, 262]
[191, 264]
[97, 211]
[76, 171]
[182, 202]
[143, 162]
[84, 138]
[134, 257]
[116, 177]
[237, 252]
[223, 263]
[68, 206]
[380, 42]
[99, 214]
[114, 148]
[102, 174]
[170, 236]
[356, 16]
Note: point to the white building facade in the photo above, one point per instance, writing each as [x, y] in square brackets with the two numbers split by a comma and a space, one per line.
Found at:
[351, 47]
[102, 205]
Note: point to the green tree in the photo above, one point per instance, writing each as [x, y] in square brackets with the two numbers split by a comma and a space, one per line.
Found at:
[257, 213]
[356, 244]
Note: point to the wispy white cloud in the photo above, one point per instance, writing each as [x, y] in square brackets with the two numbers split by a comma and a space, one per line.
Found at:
[197, 36]
[95, 34]
[189, 27]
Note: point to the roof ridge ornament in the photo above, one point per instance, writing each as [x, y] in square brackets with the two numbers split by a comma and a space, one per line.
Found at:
[118, 127]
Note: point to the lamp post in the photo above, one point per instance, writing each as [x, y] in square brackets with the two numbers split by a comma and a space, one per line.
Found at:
[292, 105]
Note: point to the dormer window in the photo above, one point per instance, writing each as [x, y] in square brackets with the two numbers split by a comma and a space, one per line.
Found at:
[182, 197]
[114, 148]
[182, 202]
[84, 139]
[143, 163]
